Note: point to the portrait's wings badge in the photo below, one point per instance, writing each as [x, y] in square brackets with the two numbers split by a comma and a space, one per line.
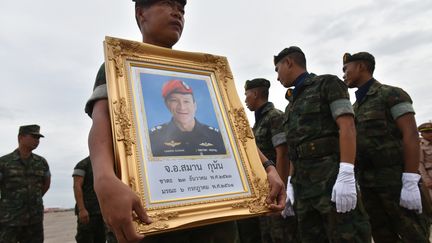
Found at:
[206, 144]
[172, 143]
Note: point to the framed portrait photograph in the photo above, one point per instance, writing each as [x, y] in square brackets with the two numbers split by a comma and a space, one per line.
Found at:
[182, 140]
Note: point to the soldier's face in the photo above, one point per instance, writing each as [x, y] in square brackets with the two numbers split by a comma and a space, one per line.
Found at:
[182, 107]
[162, 23]
[427, 135]
[250, 100]
[29, 141]
[284, 75]
[351, 74]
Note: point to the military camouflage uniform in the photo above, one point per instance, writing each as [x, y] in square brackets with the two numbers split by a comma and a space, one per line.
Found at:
[21, 205]
[269, 134]
[313, 147]
[94, 231]
[223, 232]
[380, 164]
[426, 162]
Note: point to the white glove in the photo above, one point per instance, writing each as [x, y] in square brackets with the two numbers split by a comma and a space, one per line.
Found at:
[288, 210]
[410, 194]
[290, 191]
[344, 190]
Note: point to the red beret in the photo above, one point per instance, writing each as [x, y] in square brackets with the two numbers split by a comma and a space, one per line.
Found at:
[175, 86]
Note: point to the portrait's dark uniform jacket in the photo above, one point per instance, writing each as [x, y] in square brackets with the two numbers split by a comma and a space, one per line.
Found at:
[168, 140]
[312, 136]
[21, 188]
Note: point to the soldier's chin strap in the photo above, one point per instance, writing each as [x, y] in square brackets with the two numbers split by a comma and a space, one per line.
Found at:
[344, 192]
[410, 193]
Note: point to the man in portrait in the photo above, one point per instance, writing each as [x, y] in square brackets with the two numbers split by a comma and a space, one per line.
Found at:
[183, 135]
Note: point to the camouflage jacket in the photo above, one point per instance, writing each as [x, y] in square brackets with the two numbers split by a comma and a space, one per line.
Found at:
[21, 188]
[379, 141]
[84, 169]
[269, 131]
[312, 134]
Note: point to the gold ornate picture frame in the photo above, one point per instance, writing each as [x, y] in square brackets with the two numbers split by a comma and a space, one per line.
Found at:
[188, 180]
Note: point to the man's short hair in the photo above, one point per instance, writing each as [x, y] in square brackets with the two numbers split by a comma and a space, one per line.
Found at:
[365, 57]
[294, 53]
[148, 3]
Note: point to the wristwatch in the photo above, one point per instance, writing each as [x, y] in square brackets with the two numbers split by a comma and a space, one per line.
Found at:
[268, 163]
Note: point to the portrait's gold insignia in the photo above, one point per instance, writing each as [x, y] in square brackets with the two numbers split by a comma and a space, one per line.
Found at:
[172, 143]
[206, 144]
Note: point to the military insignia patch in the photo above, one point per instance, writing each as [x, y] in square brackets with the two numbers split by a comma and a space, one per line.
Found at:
[206, 144]
[172, 143]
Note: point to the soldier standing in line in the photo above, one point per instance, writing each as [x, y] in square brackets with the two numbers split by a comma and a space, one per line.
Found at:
[425, 166]
[321, 138]
[387, 154]
[161, 24]
[425, 130]
[24, 179]
[90, 224]
[270, 139]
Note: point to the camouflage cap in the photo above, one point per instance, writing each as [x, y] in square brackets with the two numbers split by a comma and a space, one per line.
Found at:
[425, 127]
[175, 86]
[257, 82]
[150, 2]
[361, 56]
[285, 52]
[30, 129]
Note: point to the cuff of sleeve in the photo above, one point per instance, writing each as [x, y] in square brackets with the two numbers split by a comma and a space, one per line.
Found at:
[410, 177]
[346, 167]
[100, 92]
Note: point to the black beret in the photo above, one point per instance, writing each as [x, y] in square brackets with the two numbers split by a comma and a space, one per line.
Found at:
[257, 82]
[425, 127]
[285, 52]
[361, 56]
[149, 2]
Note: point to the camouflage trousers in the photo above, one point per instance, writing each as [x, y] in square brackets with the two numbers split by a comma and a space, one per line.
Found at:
[93, 232]
[275, 229]
[24, 234]
[318, 221]
[391, 222]
[215, 233]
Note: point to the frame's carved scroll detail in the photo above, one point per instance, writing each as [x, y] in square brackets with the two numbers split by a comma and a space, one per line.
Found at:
[205, 172]
[123, 125]
[242, 125]
[258, 204]
[159, 221]
[114, 54]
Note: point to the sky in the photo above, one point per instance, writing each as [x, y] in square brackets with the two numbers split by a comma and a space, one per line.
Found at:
[50, 52]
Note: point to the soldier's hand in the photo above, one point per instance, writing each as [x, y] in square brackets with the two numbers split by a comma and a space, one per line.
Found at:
[83, 216]
[277, 190]
[344, 192]
[118, 204]
[410, 194]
